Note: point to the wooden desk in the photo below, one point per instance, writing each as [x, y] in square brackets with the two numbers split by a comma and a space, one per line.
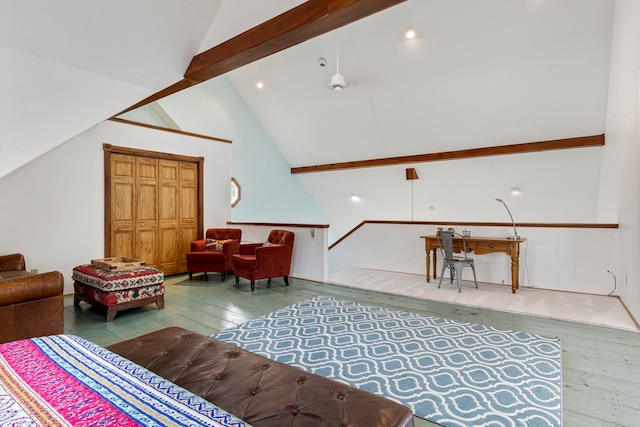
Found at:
[479, 246]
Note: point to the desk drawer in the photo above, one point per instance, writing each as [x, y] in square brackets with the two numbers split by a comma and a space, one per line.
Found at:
[470, 246]
[488, 247]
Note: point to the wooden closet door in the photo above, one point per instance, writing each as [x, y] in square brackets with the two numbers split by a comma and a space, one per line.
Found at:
[168, 216]
[187, 210]
[122, 206]
[134, 187]
[146, 239]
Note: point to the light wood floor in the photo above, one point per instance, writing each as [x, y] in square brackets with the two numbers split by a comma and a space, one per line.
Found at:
[593, 309]
[601, 366]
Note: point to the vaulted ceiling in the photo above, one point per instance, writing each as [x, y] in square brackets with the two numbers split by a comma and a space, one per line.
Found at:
[479, 73]
[67, 65]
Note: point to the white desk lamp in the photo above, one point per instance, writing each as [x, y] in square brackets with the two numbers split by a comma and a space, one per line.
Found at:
[515, 232]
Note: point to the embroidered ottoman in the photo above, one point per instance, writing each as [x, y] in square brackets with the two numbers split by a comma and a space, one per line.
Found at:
[118, 290]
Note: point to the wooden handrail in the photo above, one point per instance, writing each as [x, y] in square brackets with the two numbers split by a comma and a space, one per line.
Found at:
[481, 224]
[278, 224]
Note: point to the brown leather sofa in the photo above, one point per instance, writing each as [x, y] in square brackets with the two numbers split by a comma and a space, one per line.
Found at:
[31, 305]
[260, 391]
[12, 265]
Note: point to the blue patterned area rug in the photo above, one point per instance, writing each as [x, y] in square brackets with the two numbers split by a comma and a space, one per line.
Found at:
[448, 372]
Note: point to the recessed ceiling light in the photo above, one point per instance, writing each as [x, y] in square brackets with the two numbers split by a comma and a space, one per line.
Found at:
[259, 84]
[410, 33]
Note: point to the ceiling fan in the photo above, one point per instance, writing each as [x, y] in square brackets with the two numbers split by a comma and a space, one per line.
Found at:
[338, 82]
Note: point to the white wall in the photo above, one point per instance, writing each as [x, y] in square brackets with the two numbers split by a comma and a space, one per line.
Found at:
[65, 66]
[622, 130]
[557, 186]
[568, 259]
[53, 207]
[269, 192]
[44, 103]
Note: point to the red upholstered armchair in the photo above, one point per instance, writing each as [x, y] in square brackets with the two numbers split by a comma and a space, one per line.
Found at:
[265, 260]
[214, 253]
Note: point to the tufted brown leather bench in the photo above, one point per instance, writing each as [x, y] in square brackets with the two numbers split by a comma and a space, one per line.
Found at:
[260, 391]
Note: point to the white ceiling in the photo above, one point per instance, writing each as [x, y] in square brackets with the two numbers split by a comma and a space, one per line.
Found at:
[67, 65]
[480, 73]
[139, 42]
[237, 16]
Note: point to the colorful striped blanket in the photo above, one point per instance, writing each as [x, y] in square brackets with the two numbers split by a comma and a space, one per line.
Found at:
[65, 380]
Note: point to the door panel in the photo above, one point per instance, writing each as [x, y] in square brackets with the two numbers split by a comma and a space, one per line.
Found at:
[188, 210]
[123, 241]
[146, 247]
[168, 250]
[187, 235]
[123, 202]
[168, 213]
[122, 205]
[146, 211]
[147, 202]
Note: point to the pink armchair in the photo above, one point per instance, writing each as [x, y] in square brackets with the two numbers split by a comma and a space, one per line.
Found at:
[257, 261]
[215, 257]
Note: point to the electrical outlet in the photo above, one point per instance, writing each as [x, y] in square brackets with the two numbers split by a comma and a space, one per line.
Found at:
[34, 271]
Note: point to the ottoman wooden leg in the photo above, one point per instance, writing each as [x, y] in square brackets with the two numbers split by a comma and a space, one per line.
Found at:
[112, 310]
[76, 300]
[160, 301]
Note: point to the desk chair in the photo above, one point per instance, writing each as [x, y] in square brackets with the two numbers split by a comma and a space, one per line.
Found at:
[455, 264]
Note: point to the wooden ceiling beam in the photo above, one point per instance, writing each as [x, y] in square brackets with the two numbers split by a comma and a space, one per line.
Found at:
[297, 25]
[304, 22]
[527, 147]
[174, 88]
